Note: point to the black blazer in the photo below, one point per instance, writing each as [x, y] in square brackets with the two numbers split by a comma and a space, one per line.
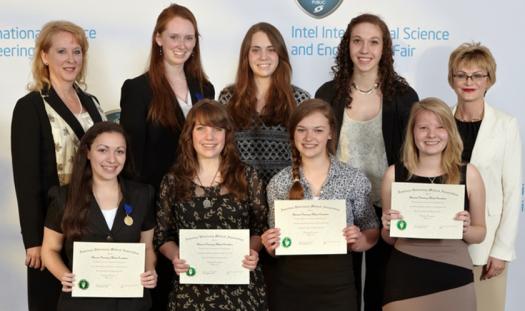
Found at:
[140, 197]
[395, 115]
[33, 156]
[154, 147]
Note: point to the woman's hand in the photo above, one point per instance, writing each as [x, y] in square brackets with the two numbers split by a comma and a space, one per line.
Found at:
[33, 259]
[464, 216]
[250, 261]
[271, 239]
[148, 279]
[494, 267]
[388, 216]
[352, 234]
[67, 280]
[179, 265]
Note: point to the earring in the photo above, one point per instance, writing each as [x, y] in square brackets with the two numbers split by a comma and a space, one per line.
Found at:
[160, 50]
[45, 64]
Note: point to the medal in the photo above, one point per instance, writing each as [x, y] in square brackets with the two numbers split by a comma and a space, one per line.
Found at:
[128, 220]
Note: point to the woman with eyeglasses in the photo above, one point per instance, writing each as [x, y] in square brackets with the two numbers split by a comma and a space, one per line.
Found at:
[492, 143]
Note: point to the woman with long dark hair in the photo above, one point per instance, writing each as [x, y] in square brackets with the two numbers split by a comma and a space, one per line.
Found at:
[371, 104]
[262, 100]
[99, 205]
[208, 188]
[322, 282]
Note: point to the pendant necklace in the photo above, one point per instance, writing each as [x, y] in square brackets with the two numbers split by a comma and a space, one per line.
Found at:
[207, 203]
[365, 92]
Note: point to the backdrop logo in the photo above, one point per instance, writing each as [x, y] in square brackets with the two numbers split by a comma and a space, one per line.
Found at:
[319, 8]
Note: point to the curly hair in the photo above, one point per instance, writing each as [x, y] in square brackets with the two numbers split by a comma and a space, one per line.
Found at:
[390, 82]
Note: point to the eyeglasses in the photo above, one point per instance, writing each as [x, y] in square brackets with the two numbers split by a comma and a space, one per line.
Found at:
[475, 77]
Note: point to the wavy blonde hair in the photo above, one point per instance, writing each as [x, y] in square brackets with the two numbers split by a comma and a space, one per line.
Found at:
[451, 155]
[41, 78]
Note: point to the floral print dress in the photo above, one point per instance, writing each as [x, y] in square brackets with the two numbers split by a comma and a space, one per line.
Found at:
[213, 208]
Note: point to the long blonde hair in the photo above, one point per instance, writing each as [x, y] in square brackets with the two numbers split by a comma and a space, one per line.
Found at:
[451, 155]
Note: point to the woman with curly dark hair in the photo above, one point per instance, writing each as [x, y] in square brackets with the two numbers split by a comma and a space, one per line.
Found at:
[371, 103]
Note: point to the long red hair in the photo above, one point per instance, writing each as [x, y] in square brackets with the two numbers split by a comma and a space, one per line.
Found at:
[162, 108]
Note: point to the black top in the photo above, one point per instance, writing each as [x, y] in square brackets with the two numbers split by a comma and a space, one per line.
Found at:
[140, 197]
[468, 132]
[153, 146]
[33, 156]
[395, 115]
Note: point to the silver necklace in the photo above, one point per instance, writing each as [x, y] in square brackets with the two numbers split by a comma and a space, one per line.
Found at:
[432, 179]
[207, 203]
[365, 92]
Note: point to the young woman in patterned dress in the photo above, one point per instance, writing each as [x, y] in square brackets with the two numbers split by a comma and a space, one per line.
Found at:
[209, 189]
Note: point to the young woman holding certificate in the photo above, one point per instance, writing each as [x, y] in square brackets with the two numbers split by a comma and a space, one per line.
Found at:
[99, 205]
[433, 274]
[208, 188]
[319, 282]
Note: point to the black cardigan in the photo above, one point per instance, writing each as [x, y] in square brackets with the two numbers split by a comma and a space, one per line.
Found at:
[395, 115]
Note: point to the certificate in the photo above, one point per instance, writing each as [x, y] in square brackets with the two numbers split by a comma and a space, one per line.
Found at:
[427, 210]
[311, 227]
[214, 256]
[108, 269]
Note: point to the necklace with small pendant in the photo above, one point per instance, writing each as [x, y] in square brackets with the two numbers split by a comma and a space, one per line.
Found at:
[207, 202]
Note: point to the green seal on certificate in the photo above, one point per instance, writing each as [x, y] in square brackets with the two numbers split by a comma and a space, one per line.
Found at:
[83, 284]
[401, 225]
[287, 242]
[191, 271]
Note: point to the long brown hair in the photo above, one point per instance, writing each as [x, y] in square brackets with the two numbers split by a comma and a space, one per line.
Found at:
[305, 109]
[209, 113]
[162, 108]
[280, 101]
[451, 156]
[79, 195]
[390, 82]
[41, 78]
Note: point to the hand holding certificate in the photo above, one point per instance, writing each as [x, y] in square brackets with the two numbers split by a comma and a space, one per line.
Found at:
[108, 269]
[428, 211]
[214, 256]
[311, 227]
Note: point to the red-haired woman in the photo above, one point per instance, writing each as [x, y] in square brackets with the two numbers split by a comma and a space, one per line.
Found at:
[371, 104]
[323, 282]
[209, 189]
[154, 105]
